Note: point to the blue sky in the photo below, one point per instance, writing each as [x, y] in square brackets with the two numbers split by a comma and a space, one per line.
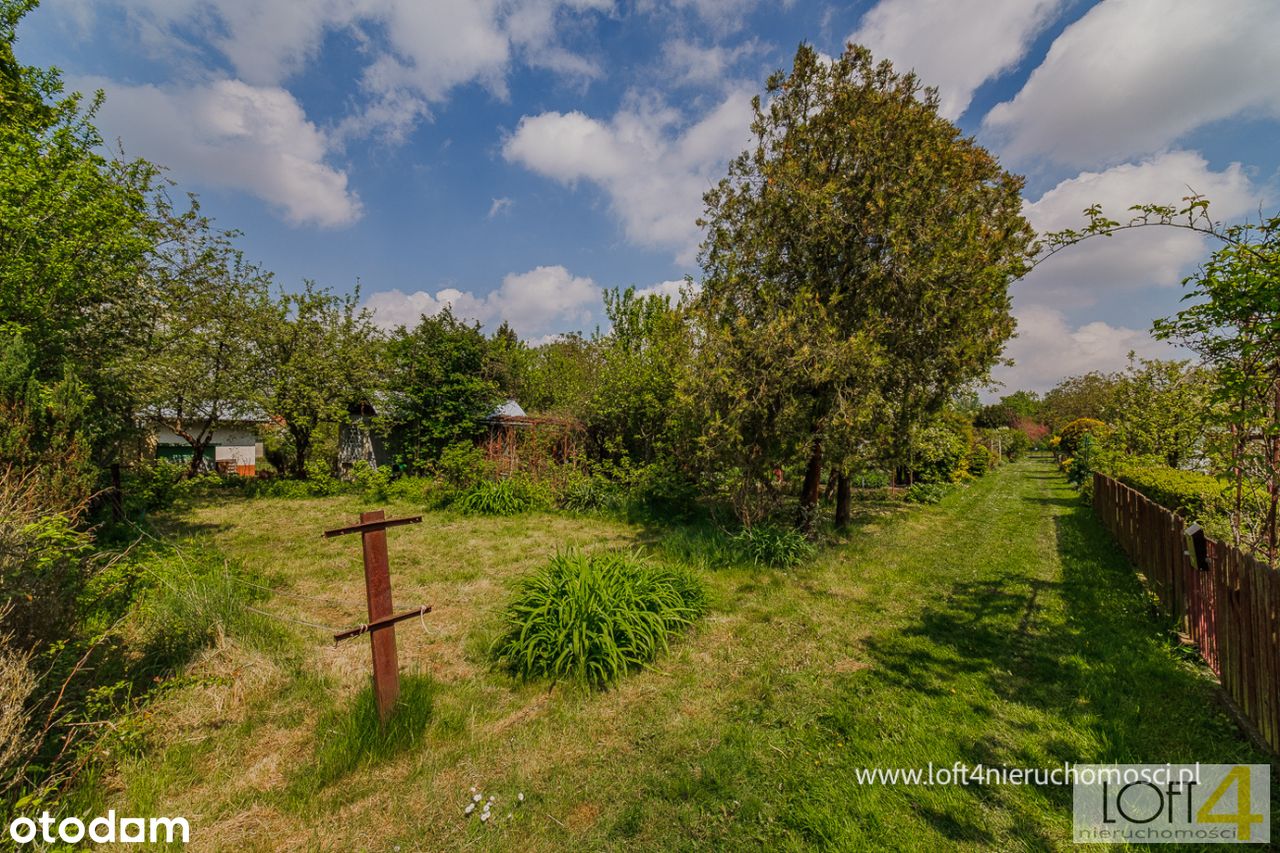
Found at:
[513, 157]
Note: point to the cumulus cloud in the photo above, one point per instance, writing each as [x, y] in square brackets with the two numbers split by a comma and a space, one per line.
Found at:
[693, 64]
[230, 134]
[955, 45]
[1151, 256]
[1048, 348]
[1133, 76]
[543, 301]
[673, 289]
[653, 167]
[420, 50]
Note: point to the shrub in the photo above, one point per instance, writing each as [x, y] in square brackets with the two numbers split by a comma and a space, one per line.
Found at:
[153, 485]
[590, 494]
[372, 482]
[981, 460]
[926, 493]
[771, 545]
[1080, 467]
[592, 618]
[1069, 436]
[940, 454]
[463, 465]
[511, 496]
[1192, 495]
[662, 488]
[419, 490]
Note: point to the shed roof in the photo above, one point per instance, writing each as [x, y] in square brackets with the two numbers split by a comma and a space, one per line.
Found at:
[509, 409]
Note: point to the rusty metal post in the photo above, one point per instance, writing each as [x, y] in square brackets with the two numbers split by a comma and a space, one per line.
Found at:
[377, 585]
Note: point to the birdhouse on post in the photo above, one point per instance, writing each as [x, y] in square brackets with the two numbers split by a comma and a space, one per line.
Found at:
[1197, 547]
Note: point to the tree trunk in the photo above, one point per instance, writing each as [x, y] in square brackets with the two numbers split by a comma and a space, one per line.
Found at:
[299, 460]
[197, 457]
[812, 483]
[843, 500]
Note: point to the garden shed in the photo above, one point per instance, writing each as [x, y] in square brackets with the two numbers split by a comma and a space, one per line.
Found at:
[516, 441]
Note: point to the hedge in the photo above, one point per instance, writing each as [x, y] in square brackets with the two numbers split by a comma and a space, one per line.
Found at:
[1192, 495]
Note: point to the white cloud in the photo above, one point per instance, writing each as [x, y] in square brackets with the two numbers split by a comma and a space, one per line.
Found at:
[229, 134]
[543, 301]
[693, 64]
[955, 45]
[673, 289]
[653, 167]
[1079, 275]
[500, 206]
[723, 15]
[1048, 349]
[420, 50]
[1133, 76]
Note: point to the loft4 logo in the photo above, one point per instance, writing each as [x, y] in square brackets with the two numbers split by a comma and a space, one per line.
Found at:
[1172, 803]
[1243, 817]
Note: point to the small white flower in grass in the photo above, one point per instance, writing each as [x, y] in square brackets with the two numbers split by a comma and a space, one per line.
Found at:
[520, 796]
[477, 798]
[484, 817]
[470, 808]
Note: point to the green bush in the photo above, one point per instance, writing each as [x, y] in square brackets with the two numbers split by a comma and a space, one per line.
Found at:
[511, 496]
[1069, 436]
[981, 460]
[926, 493]
[590, 494]
[418, 490]
[370, 481]
[1192, 495]
[662, 488]
[154, 485]
[940, 454]
[463, 465]
[771, 545]
[592, 618]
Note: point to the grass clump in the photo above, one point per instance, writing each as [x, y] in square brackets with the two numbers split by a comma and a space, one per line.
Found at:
[772, 545]
[926, 493]
[511, 496]
[351, 737]
[591, 618]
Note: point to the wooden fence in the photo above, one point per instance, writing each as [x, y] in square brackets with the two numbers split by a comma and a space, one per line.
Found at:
[1230, 610]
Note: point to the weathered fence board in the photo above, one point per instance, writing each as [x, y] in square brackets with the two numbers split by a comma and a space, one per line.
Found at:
[1229, 609]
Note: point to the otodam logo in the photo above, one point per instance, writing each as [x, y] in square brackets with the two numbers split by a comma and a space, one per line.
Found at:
[1191, 803]
[107, 829]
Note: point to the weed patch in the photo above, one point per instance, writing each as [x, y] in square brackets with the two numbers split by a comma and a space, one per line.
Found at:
[591, 618]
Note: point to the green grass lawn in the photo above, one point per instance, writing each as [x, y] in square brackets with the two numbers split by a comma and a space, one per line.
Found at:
[998, 627]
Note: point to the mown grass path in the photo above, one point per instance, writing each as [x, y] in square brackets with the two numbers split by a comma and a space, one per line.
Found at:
[1001, 627]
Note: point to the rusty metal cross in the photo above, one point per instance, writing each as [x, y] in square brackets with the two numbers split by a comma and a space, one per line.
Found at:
[381, 625]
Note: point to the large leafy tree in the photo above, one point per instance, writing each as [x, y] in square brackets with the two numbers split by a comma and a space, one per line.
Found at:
[440, 385]
[75, 233]
[204, 362]
[321, 356]
[1233, 324]
[863, 248]
[632, 411]
[1161, 408]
